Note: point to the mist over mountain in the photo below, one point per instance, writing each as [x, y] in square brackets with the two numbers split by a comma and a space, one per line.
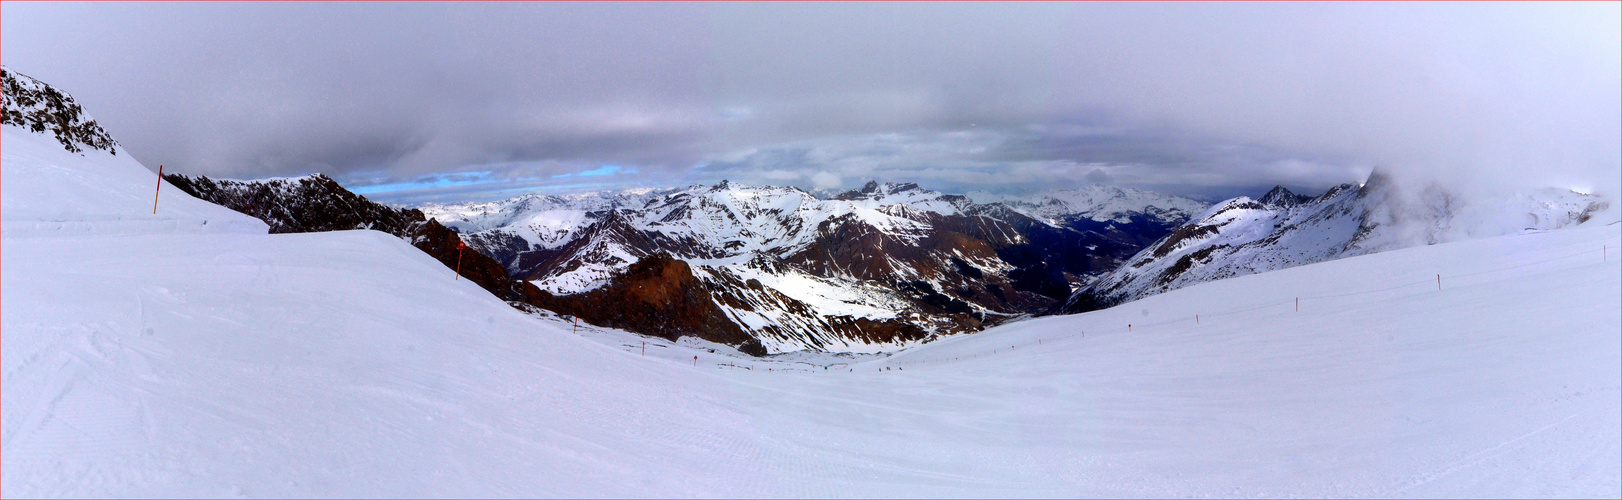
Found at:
[1283, 229]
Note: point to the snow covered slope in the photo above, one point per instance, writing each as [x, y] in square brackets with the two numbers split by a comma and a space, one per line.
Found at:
[51, 191]
[1282, 229]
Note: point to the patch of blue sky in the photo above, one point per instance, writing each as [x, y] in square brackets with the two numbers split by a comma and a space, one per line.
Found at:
[429, 182]
[487, 185]
[605, 170]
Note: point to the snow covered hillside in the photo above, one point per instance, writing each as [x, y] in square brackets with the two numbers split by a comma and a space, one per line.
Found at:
[149, 357]
[50, 191]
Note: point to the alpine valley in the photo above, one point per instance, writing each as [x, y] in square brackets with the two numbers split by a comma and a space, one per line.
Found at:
[777, 269]
[771, 270]
[766, 269]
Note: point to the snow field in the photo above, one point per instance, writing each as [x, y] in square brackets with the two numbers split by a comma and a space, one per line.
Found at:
[260, 365]
[52, 192]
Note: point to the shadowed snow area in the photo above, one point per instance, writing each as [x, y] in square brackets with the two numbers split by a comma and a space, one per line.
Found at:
[140, 359]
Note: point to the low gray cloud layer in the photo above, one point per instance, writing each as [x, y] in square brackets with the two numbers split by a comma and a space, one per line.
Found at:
[442, 101]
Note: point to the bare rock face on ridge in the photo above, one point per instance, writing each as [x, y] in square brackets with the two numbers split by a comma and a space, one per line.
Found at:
[32, 104]
[658, 296]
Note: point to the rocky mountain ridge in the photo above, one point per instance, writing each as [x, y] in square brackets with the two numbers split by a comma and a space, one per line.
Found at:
[863, 270]
[1282, 229]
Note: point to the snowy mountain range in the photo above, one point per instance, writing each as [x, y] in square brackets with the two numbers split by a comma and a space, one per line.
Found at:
[179, 350]
[1282, 229]
[864, 270]
[778, 269]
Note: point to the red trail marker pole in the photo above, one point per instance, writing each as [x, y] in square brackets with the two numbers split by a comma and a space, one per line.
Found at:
[1438, 282]
[460, 246]
[156, 189]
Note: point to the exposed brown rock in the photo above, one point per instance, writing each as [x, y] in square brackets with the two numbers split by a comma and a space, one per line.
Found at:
[657, 296]
[440, 242]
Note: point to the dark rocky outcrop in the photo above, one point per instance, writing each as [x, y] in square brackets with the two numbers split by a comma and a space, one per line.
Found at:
[659, 296]
[440, 242]
[32, 104]
[1281, 197]
[307, 204]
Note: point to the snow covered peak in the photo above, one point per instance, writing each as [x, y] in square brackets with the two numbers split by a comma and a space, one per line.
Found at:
[1279, 196]
[546, 209]
[874, 190]
[1099, 203]
[875, 194]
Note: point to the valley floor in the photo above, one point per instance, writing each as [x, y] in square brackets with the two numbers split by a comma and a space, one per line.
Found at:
[351, 364]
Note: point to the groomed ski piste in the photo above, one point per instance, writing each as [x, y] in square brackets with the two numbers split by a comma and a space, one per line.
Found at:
[161, 356]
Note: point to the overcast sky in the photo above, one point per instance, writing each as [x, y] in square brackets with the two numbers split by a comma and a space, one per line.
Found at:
[464, 101]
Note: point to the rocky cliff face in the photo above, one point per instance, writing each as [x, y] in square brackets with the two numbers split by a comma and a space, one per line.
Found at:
[441, 243]
[42, 108]
[658, 296]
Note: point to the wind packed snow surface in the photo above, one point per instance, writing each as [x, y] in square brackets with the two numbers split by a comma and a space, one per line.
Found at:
[144, 361]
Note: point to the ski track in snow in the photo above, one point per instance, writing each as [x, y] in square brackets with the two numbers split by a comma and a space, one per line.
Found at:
[167, 360]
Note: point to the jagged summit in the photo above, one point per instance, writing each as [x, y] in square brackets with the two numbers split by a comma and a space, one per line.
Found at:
[1378, 179]
[1098, 203]
[875, 190]
[1280, 196]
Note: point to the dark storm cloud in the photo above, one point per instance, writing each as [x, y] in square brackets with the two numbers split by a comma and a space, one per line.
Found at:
[420, 100]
